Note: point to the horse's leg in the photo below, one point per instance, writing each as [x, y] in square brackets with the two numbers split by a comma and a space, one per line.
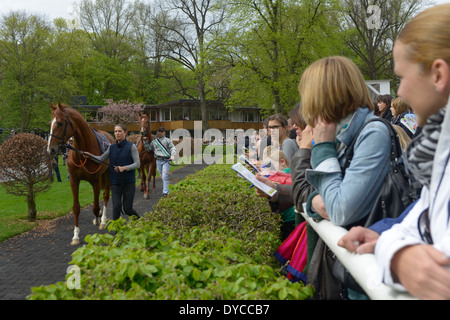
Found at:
[148, 177]
[106, 194]
[75, 184]
[153, 168]
[143, 177]
[96, 185]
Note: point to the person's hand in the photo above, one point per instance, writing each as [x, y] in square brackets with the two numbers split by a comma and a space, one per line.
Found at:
[171, 158]
[360, 240]
[120, 168]
[305, 141]
[423, 271]
[267, 181]
[87, 153]
[319, 206]
[324, 132]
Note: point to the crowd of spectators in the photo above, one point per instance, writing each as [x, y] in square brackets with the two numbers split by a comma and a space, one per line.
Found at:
[412, 250]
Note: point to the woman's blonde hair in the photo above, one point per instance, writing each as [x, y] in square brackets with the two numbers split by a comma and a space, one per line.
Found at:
[403, 138]
[400, 106]
[427, 36]
[332, 88]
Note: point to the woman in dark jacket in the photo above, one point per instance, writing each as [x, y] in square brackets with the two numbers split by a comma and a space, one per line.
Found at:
[384, 106]
[124, 160]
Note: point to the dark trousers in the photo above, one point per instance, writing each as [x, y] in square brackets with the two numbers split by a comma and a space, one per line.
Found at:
[123, 197]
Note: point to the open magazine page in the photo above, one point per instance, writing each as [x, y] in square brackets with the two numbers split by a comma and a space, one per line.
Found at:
[246, 174]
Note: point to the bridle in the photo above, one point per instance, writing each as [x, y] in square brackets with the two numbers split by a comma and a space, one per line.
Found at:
[69, 146]
[63, 139]
[146, 127]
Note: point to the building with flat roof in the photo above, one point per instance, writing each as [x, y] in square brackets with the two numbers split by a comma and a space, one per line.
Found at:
[182, 114]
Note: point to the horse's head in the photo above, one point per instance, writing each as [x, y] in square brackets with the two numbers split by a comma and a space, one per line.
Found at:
[60, 128]
[144, 123]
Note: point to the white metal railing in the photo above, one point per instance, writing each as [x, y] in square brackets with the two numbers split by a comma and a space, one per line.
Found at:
[363, 268]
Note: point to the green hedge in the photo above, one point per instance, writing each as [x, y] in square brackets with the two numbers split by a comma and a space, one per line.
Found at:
[211, 238]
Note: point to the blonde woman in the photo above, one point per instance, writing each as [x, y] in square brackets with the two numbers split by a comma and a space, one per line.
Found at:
[413, 255]
[403, 116]
[336, 103]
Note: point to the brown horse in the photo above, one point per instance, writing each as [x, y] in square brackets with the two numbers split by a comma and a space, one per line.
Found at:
[148, 160]
[67, 122]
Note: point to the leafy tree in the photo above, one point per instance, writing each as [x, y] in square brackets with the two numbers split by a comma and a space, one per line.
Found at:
[24, 168]
[270, 43]
[23, 62]
[185, 28]
[105, 78]
[69, 48]
[371, 29]
[108, 24]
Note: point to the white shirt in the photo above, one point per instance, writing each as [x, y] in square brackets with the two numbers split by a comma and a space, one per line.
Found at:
[436, 199]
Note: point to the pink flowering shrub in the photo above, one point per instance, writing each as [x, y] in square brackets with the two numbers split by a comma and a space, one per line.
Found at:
[122, 111]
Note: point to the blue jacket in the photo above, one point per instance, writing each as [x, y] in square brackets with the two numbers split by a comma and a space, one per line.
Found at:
[120, 155]
[350, 198]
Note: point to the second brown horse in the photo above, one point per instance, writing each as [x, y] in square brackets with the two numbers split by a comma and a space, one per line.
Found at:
[148, 160]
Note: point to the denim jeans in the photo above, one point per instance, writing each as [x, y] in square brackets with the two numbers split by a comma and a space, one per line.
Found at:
[163, 169]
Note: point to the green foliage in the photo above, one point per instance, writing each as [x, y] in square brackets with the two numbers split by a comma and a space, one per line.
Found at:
[189, 248]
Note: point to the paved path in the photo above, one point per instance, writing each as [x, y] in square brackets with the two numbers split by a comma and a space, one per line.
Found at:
[42, 255]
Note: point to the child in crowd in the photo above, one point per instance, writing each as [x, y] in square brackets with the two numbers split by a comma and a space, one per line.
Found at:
[279, 172]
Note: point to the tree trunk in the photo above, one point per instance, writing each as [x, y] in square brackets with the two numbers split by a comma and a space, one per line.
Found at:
[31, 202]
[203, 104]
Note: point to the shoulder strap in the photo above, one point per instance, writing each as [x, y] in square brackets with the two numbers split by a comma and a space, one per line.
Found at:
[396, 150]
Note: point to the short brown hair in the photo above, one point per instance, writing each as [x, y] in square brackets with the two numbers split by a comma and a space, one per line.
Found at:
[280, 118]
[297, 117]
[332, 88]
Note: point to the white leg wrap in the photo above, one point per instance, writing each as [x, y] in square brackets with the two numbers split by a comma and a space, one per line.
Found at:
[103, 222]
[76, 237]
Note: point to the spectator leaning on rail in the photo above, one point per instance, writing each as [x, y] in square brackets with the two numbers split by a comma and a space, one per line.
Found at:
[336, 103]
[297, 193]
[415, 253]
[278, 130]
[164, 153]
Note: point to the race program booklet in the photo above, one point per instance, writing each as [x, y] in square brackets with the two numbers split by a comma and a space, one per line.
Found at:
[246, 174]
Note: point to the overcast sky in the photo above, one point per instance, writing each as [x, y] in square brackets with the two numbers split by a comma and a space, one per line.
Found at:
[55, 8]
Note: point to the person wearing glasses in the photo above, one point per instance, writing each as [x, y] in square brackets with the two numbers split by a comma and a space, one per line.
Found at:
[278, 130]
[414, 255]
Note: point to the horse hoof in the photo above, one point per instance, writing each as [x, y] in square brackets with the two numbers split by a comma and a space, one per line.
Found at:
[75, 242]
[102, 226]
[95, 222]
[146, 197]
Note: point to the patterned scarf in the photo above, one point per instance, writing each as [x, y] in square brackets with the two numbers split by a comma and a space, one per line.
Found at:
[420, 152]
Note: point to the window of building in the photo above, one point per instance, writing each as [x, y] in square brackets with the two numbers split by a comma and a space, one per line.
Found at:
[166, 114]
[153, 115]
[176, 113]
[250, 116]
